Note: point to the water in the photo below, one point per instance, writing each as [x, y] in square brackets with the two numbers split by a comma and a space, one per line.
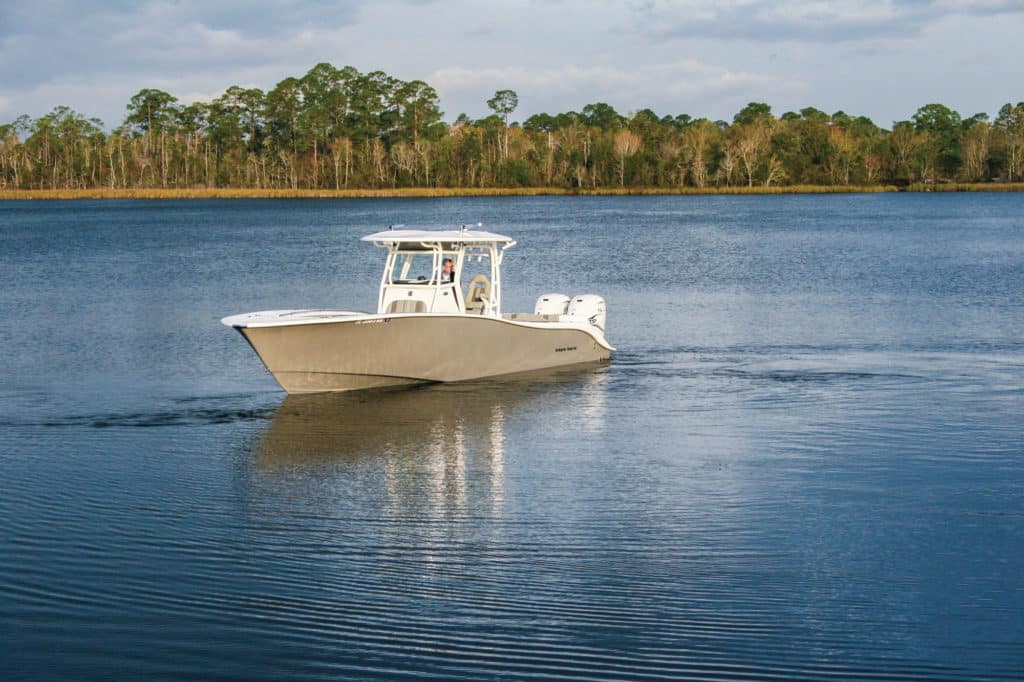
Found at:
[805, 461]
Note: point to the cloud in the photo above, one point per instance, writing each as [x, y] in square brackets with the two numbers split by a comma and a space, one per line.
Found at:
[481, 31]
[690, 74]
[704, 57]
[268, 17]
[51, 41]
[93, 55]
[680, 85]
[818, 21]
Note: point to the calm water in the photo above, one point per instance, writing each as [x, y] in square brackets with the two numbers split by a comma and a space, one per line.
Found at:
[805, 461]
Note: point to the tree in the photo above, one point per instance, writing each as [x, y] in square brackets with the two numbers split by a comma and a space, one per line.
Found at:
[247, 104]
[544, 123]
[153, 113]
[679, 122]
[627, 143]
[284, 105]
[942, 126]
[418, 110]
[801, 142]
[192, 121]
[842, 156]
[751, 141]
[601, 115]
[61, 143]
[753, 112]
[975, 150]
[698, 139]
[504, 103]
[904, 143]
[1009, 126]
[342, 128]
[321, 98]
[418, 120]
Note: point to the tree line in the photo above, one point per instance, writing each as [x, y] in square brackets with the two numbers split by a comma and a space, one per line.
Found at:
[338, 128]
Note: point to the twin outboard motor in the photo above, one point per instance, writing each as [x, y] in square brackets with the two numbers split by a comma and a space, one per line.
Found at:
[589, 307]
[551, 304]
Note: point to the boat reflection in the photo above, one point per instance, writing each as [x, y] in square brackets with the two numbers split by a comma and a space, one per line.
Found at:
[433, 444]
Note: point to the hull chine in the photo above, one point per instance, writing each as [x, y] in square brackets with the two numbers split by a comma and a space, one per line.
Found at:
[333, 382]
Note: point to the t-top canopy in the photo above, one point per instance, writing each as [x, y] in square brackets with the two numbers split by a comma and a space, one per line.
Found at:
[430, 237]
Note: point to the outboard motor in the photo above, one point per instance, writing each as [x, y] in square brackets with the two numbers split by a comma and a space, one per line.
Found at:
[551, 304]
[590, 307]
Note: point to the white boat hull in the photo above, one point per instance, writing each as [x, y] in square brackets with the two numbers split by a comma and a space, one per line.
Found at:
[307, 354]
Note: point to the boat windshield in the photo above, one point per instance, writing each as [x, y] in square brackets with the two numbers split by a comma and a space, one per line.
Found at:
[417, 267]
[413, 268]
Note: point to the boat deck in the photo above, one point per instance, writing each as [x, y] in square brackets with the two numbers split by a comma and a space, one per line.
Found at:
[531, 317]
[279, 317]
[274, 318]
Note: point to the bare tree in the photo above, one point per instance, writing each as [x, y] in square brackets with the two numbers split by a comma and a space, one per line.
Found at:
[751, 142]
[697, 139]
[974, 150]
[872, 167]
[627, 143]
[774, 172]
[671, 150]
[841, 157]
[727, 166]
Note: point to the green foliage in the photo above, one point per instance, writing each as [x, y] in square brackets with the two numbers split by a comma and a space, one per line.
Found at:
[753, 112]
[544, 123]
[601, 115]
[151, 111]
[504, 103]
[337, 128]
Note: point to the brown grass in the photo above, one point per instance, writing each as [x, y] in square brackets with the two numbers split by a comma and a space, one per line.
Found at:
[968, 187]
[436, 192]
[239, 193]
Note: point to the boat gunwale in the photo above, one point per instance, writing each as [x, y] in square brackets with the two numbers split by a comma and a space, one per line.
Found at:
[238, 321]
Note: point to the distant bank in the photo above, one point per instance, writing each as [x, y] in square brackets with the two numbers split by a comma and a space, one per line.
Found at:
[438, 192]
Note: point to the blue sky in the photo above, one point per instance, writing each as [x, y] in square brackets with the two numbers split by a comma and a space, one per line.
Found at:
[878, 58]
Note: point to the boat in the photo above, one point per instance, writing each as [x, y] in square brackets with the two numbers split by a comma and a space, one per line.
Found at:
[438, 319]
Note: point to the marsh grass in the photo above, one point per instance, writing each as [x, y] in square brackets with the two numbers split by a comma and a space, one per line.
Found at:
[968, 187]
[440, 192]
[428, 192]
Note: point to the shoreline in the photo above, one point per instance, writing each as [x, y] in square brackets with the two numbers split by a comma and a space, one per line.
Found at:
[444, 192]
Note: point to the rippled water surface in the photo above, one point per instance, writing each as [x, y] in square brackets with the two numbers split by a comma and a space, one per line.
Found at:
[805, 460]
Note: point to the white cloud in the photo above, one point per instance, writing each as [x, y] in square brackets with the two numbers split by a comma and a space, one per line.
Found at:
[673, 87]
[824, 21]
[702, 57]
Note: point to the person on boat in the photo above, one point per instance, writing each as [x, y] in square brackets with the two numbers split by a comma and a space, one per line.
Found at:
[447, 272]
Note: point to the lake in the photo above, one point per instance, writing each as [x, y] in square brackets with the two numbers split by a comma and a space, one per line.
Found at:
[804, 461]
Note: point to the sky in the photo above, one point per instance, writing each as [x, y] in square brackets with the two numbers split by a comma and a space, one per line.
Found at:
[878, 58]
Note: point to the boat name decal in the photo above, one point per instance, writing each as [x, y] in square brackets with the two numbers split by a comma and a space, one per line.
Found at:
[565, 349]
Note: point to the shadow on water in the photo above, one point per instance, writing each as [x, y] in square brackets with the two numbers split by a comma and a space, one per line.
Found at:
[327, 429]
[200, 411]
[433, 454]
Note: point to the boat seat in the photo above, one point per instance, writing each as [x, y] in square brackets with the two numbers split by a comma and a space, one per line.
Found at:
[404, 306]
[478, 295]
